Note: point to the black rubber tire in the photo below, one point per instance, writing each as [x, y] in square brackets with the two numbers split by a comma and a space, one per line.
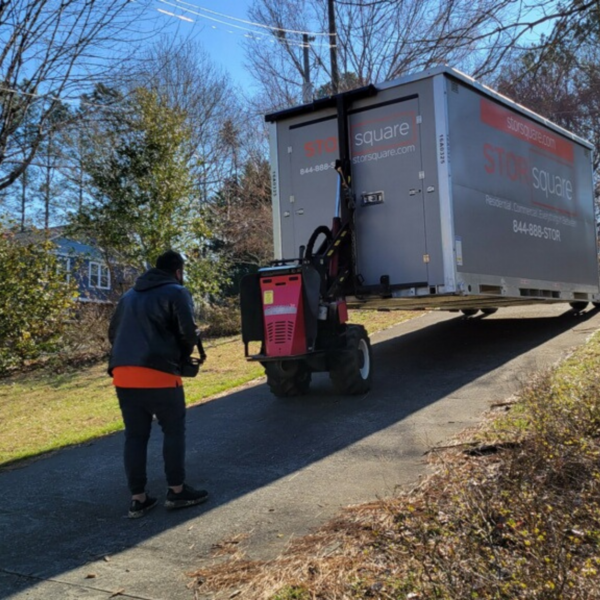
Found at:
[351, 369]
[469, 312]
[489, 311]
[288, 378]
[579, 305]
[596, 304]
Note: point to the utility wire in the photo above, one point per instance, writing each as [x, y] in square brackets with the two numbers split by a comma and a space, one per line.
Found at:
[253, 32]
[180, 4]
[254, 23]
[170, 14]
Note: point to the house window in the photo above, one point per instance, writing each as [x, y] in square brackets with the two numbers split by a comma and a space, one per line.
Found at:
[63, 267]
[99, 276]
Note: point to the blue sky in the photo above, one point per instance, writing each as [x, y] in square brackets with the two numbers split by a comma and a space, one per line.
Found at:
[213, 24]
[222, 27]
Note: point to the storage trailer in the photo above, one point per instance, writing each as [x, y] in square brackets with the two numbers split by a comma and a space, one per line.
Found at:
[444, 194]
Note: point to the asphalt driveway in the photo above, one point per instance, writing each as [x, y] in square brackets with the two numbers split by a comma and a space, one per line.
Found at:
[275, 468]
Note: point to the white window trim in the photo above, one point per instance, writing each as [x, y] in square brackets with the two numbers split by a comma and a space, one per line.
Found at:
[67, 265]
[98, 269]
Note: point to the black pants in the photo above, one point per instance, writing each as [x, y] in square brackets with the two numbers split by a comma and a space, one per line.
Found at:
[138, 407]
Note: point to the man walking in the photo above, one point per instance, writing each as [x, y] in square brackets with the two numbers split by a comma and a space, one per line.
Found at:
[152, 333]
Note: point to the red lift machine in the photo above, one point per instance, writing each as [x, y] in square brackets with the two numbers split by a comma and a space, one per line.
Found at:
[295, 308]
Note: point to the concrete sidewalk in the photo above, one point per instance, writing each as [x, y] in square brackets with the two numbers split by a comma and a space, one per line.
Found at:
[274, 468]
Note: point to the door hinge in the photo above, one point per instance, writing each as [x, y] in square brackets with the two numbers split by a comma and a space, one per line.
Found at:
[289, 149]
[421, 174]
[419, 119]
[425, 258]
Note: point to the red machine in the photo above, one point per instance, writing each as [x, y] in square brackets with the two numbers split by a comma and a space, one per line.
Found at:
[296, 310]
[302, 332]
[283, 311]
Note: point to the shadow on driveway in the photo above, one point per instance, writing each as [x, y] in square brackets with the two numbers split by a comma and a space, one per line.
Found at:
[62, 511]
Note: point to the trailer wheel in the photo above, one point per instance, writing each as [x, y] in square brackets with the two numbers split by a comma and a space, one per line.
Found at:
[288, 378]
[469, 312]
[352, 368]
[578, 306]
[489, 311]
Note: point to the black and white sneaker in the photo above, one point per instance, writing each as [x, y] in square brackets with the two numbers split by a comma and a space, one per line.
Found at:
[187, 497]
[138, 509]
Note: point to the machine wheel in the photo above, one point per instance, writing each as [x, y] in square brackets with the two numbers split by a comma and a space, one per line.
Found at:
[469, 312]
[489, 311]
[352, 368]
[578, 306]
[288, 378]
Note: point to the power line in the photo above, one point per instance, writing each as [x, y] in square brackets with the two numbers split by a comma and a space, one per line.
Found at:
[178, 4]
[254, 33]
[170, 14]
[254, 23]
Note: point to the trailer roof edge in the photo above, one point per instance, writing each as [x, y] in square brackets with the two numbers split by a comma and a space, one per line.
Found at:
[331, 101]
[452, 72]
[328, 102]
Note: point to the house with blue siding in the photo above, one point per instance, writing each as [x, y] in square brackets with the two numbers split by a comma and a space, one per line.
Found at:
[85, 264]
[97, 281]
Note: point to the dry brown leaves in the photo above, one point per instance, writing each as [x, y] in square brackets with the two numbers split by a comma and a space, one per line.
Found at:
[514, 517]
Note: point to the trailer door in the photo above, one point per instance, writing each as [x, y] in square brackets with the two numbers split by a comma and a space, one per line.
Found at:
[312, 151]
[387, 182]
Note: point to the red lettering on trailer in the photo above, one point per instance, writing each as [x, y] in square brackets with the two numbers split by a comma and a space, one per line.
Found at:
[320, 146]
[506, 163]
[505, 120]
[550, 180]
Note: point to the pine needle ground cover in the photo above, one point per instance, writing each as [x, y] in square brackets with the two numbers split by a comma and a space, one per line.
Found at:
[44, 410]
[512, 511]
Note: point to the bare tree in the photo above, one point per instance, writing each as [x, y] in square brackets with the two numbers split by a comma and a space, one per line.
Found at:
[375, 41]
[549, 24]
[241, 215]
[50, 51]
[185, 76]
[380, 40]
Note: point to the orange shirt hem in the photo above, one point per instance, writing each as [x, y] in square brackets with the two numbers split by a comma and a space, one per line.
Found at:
[143, 377]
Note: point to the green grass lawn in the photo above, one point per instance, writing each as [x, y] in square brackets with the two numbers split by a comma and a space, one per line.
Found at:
[43, 411]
